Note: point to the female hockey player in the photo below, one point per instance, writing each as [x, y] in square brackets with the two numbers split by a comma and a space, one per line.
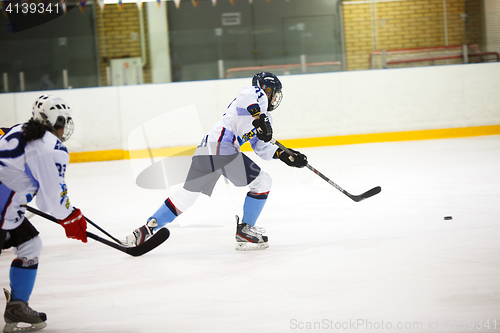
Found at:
[33, 161]
[247, 119]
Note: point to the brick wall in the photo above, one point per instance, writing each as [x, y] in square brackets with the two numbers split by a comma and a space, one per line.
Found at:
[407, 24]
[358, 35]
[367, 26]
[119, 36]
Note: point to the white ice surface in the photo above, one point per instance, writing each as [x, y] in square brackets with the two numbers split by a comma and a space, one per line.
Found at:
[389, 261]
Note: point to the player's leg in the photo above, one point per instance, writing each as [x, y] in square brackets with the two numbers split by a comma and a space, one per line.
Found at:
[23, 270]
[256, 198]
[175, 205]
[244, 172]
[200, 179]
[172, 207]
[249, 236]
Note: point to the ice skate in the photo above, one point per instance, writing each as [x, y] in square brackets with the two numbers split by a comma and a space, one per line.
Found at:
[249, 238]
[19, 317]
[142, 234]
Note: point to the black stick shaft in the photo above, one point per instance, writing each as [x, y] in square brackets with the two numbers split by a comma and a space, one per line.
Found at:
[356, 198]
[158, 238]
[310, 167]
[103, 231]
[53, 219]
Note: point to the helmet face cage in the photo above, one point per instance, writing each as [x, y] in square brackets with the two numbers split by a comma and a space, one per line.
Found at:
[271, 86]
[275, 100]
[54, 113]
[69, 127]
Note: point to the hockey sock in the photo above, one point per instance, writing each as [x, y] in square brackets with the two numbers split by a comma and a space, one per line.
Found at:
[254, 203]
[165, 214]
[22, 280]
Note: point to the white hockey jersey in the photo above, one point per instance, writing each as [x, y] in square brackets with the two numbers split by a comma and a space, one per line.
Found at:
[235, 128]
[26, 169]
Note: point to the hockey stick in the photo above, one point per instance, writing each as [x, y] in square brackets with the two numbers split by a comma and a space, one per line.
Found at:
[357, 198]
[88, 221]
[158, 238]
[103, 231]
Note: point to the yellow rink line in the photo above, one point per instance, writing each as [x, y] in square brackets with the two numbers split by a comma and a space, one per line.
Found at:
[460, 132]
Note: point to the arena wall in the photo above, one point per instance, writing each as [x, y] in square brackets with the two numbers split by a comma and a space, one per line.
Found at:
[317, 109]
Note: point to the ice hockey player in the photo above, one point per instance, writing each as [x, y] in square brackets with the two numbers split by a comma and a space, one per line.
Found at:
[33, 161]
[247, 119]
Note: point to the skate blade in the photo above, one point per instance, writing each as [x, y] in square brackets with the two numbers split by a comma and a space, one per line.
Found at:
[13, 327]
[247, 246]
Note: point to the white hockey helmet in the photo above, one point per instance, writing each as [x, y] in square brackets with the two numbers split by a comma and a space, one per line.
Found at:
[55, 113]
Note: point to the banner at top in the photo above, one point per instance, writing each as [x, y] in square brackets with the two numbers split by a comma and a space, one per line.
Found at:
[82, 4]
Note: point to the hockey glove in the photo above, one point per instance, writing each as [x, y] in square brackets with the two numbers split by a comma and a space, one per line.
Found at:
[263, 127]
[75, 226]
[297, 160]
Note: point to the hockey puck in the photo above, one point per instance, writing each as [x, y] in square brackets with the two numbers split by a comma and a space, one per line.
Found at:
[447, 217]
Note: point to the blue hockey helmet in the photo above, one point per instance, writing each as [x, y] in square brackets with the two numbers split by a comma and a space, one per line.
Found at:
[271, 86]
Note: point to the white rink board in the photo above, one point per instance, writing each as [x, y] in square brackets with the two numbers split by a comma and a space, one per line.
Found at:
[314, 105]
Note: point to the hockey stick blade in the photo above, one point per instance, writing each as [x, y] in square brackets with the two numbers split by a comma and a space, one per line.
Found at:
[366, 195]
[158, 238]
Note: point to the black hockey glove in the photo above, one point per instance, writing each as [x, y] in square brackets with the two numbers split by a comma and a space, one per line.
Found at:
[297, 160]
[263, 127]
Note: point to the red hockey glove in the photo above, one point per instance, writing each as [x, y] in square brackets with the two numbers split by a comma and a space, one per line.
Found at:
[75, 225]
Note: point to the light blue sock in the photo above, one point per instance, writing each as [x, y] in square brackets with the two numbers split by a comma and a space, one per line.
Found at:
[22, 281]
[254, 203]
[165, 214]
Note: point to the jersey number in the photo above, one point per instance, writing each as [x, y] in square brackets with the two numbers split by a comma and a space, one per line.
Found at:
[259, 91]
[61, 168]
[18, 151]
